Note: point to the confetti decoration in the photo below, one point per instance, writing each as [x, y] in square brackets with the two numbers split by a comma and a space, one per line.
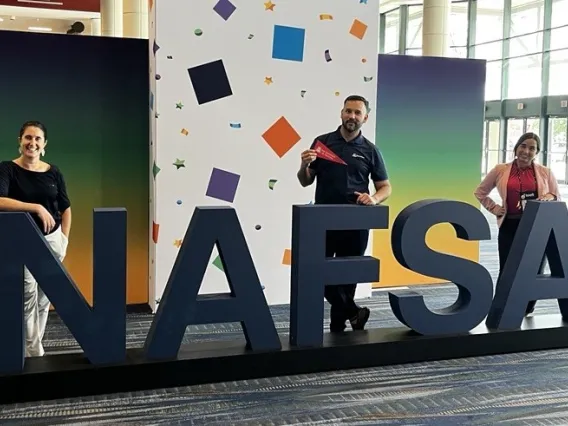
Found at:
[179, 163]
[364, 60]
[184, 132]
[362, 1]
[269, 6]
[288, 43]
[268, 81]
[210, 82]
[337, 93]
[170, 57]
[271, 183]
[155, 232]
[281, 136]
[151, 101]
[179, 202]
[258, 227]
[223, 185]
[156, 115]
[367, 79]
[358, 29]
[235, 125]
[250, 36]
[326, 17]
[327, 55]
[179, 105]
[155, 170]
[158, 77]
[155, 47]
[198, 32]
[178, 243]
[224, 9]
[303, 93]
[218, 263]
[287, 257]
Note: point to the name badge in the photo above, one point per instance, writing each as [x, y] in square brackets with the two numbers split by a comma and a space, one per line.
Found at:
[527, 196]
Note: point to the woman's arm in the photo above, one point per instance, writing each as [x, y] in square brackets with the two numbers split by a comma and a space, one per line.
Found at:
[64, 205]
[554, 191]
[485, 187]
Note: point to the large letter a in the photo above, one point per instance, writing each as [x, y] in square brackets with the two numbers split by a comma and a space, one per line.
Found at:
[181, 306]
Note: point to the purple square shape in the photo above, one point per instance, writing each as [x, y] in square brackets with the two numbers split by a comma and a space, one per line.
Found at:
[224, 9]
[223, 185]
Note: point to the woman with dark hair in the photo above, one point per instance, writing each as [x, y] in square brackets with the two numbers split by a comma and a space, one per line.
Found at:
[28, 184]
[517, 182]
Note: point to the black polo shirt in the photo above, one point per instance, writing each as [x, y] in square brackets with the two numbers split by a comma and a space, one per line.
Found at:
[337, 183]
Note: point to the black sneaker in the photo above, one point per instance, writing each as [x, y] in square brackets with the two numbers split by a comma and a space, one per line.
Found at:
[359, 321]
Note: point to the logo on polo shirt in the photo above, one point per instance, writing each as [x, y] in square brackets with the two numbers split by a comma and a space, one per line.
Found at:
[357, 156]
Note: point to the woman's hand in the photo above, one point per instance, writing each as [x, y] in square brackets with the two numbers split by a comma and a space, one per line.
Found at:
[499, 211]
[547, 197]
[46, 218]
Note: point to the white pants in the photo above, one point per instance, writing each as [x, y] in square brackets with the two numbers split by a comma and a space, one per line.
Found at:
[36, 303]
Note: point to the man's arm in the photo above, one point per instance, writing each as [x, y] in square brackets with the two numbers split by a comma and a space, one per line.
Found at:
[380, 178]
[383, 191]
[306, 175]
[309, 166]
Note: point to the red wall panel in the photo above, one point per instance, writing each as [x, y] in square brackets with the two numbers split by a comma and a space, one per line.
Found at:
[83, 5]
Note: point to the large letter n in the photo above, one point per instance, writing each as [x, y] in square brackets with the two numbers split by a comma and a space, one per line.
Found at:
[181, 306]
[100, 330]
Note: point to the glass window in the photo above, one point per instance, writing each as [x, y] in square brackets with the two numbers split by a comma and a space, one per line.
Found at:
[489, 51]
[457, 52]
[557, 147]
[414, 30]
[491, 145]
[559, 13]
[414, 52]
[515, 129]
[558, 81]
[392, 23]
[559, 38]
[525, 77]
[525, 45]
[527, 16]
[493, 81]
[458, 24]
[489, 21]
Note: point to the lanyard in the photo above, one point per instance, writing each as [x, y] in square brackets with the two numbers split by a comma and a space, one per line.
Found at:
[518, 172]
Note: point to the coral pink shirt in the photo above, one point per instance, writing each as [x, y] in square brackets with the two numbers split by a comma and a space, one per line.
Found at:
[520, 180]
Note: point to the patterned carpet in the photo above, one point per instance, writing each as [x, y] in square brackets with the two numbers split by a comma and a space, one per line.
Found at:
[515, 389]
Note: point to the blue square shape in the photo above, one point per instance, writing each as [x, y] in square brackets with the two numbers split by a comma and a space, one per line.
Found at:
[288, 43]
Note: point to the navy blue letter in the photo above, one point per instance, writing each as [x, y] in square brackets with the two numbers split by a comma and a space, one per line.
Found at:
[473, 280]
[312, 271]
[100, 330]
[181, 305]
[543, 230]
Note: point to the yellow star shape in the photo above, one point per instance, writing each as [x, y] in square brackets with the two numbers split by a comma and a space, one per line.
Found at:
[268, 80]
[269, 6]
[177, 243]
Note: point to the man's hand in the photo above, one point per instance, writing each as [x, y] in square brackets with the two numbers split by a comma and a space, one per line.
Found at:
[365, 199]
[308, 156]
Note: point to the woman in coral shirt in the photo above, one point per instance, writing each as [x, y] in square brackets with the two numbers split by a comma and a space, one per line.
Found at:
[517, 182]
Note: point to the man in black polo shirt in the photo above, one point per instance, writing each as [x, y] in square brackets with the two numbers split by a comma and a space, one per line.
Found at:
[348, 183]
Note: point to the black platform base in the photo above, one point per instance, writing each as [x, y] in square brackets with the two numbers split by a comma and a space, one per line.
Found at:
[71, 375]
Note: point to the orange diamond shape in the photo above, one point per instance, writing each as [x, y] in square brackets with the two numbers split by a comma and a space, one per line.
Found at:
[281, 137]
[358, 29]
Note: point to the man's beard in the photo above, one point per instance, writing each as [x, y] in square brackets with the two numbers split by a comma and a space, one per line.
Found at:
[351, 126]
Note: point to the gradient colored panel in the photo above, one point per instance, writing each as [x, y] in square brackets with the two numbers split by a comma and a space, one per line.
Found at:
[92, 94]
[430, 115]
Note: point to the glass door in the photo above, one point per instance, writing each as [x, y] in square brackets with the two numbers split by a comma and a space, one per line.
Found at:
[557, 147]
[491, 150]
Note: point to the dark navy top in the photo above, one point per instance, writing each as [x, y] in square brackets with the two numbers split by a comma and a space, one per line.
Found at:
[337, 183]
[46, 188]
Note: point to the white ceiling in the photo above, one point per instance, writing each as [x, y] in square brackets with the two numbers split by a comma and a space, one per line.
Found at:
[43, 20]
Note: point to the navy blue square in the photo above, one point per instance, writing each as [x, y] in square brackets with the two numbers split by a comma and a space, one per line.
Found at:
[288, 43]
[210, 82]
